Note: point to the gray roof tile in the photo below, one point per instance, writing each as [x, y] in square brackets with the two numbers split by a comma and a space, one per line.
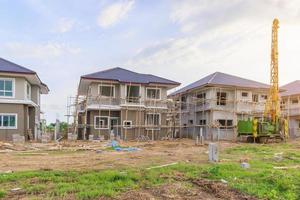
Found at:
[219, 78]
[292, 88]
[7, 66]
[127, 76]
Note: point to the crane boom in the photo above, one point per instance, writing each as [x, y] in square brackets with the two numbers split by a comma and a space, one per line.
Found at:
[272, 108]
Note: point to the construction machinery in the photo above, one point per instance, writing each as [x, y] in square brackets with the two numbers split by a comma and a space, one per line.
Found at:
[272, 126]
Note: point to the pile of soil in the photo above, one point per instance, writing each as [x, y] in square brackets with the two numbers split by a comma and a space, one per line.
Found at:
[200, 189]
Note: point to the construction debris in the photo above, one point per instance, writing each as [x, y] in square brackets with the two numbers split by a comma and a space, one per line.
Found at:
[160, 166]
[16, 138]
[245, 165]
[288, 167]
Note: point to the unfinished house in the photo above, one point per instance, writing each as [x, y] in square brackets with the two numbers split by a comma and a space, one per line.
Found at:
[20, 100]
[213, 105]
[122, 103]
[290, 106]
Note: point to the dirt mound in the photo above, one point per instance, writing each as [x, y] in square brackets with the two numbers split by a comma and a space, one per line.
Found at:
[221, 190]
[199, 189]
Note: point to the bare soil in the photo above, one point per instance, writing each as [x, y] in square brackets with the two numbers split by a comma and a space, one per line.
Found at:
[82, 155]
[200, 190]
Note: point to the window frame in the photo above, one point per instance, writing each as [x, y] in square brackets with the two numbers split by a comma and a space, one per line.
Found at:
[257, 97]
[202, 122]
[9, 127]
[106, 85]
[153, 88]
[244, 92]
[225, 127]
[220, 101]
[101, 128]
[30, 90]
[264, 97]
[38, 96]
[12, 89]
[159, 121]
[127, 127]
[201, 100]
[294, 101]
[126, 92]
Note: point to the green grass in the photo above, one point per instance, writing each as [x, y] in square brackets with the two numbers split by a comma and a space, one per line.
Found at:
[261, 180]
[2, 194]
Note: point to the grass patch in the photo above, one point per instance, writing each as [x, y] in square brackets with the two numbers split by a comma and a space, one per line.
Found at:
[2, 194]
[261, 180]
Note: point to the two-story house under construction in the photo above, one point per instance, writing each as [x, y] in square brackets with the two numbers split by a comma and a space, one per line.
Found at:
[214, 104]
[290, 106]
[122, 102]
[20, 100]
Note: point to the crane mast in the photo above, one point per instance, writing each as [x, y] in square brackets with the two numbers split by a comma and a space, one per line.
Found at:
[272, 108]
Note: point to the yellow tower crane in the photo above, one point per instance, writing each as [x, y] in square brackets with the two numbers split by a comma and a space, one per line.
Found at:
[273, 125]
[272, 108]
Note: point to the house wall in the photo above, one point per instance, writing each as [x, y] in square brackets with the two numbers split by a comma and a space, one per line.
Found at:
[236, 107]
[20, 110]
[16, 105]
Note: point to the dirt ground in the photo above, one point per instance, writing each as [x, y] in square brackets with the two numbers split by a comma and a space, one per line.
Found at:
[198, 190]
[80, 155]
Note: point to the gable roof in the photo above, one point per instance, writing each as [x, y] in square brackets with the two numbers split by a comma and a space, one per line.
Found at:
[219, 78]
[292, 88]
[12, 68]
[7, 66]
[127, 76]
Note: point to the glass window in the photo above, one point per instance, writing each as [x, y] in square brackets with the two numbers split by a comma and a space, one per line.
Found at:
[225, 124]
[7, 121]
[127, 124]
[107, 91]
[265, 97]
[101, 122]
[6, 88]
[153, 93]
[294, 101]
[28, 91]
[153, 120]
[201, 98]
[202, 122]
[244, 94]
[255, 97]
[133, 93]
[12, 121]
[1, 84]
[221, 98]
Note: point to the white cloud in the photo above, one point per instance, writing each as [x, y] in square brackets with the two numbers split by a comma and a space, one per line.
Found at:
[39, 51]
[65, 25]
[114, 13]
[217, 36]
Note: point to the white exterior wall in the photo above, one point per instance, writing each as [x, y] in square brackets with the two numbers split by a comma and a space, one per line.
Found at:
[235, 104]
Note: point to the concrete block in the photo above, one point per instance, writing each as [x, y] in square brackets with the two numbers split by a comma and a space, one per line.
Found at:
[213, 152]
[245, 165]
[18, 138]
[91, 137]
[72, 137]
[46, 138]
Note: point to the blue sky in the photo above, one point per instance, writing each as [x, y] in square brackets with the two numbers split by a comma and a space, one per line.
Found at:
[182, 40]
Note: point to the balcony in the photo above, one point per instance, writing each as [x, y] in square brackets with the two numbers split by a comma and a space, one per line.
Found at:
[291, 111]
[156, 103]
[116, 103]
[250, 107]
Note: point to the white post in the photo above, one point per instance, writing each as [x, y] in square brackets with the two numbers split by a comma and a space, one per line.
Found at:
[201, 136]
[56, 129]
[213, 152]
